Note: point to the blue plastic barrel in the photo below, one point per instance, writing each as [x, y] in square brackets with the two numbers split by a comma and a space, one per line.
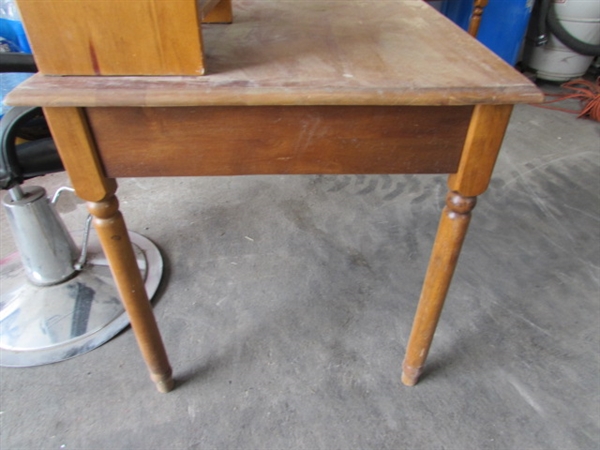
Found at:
[458, 11]
[503, 25]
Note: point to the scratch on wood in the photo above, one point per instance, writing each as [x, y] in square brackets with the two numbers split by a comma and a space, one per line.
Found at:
[94, 58]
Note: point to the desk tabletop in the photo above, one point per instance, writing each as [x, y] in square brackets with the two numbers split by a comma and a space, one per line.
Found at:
[315, 52]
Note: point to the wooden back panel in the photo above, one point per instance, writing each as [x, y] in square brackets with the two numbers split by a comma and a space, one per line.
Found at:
[119, 37]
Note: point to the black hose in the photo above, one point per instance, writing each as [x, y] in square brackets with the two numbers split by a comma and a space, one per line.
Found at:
[542, 33]
[17, 62]
[583, 48]
[30, 159]
[38, 158]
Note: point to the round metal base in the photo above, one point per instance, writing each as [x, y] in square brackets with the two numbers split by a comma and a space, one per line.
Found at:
[43, 325]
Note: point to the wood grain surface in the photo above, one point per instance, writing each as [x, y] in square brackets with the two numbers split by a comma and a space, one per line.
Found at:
[79, 154]
[279, 140]
[481, 149]
[115, 37]
[314, 53]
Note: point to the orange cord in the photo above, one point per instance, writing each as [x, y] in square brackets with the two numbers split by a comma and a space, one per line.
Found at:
[587, 92]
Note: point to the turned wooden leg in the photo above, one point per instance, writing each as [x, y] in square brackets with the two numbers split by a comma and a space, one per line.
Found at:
[114, 238]
[480, 151]
[476, 16]
[446, 249]
[79, 154]
[221, 13]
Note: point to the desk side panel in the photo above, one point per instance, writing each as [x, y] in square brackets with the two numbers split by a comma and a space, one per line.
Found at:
[112, 37]
[198, 141]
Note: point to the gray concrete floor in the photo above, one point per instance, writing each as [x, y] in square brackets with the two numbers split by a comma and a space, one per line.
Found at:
[287, 303]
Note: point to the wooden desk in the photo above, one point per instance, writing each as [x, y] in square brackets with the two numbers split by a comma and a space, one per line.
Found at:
[319, 87]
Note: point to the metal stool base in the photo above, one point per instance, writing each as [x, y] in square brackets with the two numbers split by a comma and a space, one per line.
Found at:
[43, 325]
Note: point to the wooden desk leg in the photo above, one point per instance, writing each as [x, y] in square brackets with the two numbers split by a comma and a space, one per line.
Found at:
[482, 144]
[78, 152]
[222, 13]
[476, 16]
[112, 232]
[446, 249]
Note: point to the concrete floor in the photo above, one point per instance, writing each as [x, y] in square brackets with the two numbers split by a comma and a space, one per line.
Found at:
[287, 303]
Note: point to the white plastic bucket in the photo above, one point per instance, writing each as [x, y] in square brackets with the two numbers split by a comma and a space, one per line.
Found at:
[557, 62]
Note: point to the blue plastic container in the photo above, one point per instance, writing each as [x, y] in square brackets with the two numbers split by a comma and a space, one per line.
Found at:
[13, 36]
[503, 25]
[459, 11]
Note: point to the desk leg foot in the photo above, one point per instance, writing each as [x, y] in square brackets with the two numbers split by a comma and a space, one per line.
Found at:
[114, 238]
[164, 383]
[446, 249]
[410, 375]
